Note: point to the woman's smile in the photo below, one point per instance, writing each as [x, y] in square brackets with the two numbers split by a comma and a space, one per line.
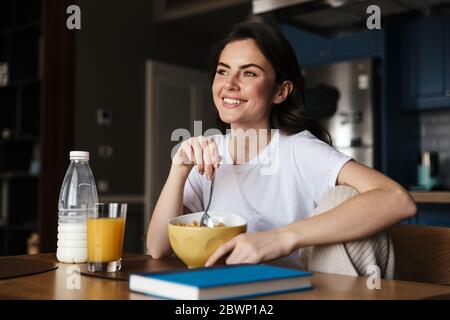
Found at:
[232, 103]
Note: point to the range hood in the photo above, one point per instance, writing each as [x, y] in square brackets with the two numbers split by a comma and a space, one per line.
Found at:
[333, 17]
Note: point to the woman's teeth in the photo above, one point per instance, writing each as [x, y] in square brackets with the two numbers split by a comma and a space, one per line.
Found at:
[233, 101]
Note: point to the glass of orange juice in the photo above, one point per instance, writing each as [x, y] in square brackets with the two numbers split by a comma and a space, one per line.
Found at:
[105, 234]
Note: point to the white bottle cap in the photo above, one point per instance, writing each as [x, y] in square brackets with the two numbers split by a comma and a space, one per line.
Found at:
[79, 155]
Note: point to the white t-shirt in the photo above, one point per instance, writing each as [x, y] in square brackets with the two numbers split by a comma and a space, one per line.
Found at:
[283, 185]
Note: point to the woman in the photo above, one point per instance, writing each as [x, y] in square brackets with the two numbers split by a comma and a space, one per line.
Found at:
[258, 86]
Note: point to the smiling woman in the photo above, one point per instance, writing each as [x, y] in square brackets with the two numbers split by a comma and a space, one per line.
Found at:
[257, 87]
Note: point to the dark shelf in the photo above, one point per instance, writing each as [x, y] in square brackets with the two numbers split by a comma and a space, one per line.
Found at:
[5, 14]
[26, 11]
[23, 53]
[21, 109]
[8, 101]
[3, 47]
[20, 82]
[17, 174]
[20, 33]
[20, 138]
[24, 227]
[14, 242]
[16, 155]
[28, 112]
[30, 25]
[20, 196]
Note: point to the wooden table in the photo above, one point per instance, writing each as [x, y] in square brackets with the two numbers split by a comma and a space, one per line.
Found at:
[57, 284]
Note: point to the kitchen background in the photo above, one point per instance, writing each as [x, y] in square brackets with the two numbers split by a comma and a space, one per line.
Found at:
[138, 70]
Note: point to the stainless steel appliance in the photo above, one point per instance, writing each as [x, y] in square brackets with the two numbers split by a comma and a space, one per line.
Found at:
[342, 97]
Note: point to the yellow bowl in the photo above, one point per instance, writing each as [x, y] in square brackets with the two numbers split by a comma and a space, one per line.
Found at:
[194, 245]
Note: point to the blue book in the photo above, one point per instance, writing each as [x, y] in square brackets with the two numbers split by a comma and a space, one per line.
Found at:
[222, 282]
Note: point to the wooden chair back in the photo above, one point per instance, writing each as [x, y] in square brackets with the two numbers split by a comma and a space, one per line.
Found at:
[422, 253]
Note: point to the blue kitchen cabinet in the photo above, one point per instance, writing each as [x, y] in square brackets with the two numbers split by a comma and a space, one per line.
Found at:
[312, 49]
[436, 219]
[427, 63]
[437, 215]
[428, 214]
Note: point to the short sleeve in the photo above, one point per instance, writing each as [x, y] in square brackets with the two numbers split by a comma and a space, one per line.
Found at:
[193, 192]
[319, 164]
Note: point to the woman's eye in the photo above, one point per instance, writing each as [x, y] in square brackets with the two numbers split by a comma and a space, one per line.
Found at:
[249, 74]
[221, 72]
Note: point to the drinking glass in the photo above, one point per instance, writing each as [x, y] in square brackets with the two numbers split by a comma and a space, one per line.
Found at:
[105, 234]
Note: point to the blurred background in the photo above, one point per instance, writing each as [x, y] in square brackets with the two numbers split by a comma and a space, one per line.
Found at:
[137, 70]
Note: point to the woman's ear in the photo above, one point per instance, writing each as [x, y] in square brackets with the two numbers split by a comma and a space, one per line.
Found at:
[283, 92]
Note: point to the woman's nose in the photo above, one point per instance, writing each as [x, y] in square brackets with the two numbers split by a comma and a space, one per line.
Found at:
[231, 84]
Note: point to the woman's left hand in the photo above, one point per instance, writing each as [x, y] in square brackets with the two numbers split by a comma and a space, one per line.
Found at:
[254, 248]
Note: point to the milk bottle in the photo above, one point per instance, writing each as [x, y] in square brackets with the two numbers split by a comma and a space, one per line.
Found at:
[78, 196]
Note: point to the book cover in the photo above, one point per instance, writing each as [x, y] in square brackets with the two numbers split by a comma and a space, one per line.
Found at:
[222, 282]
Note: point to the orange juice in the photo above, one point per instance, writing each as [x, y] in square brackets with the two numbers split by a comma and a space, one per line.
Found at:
[105, 239]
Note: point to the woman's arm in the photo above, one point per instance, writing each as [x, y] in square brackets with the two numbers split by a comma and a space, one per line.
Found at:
[198, 151]
[169, 205]
[381, 203]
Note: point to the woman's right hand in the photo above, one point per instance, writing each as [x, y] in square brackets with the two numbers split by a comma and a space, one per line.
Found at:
[200, 151]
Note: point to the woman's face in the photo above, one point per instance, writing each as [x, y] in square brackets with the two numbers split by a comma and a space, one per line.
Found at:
[243, 86]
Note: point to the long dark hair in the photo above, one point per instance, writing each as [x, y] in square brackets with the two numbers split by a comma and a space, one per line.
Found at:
[289, 116]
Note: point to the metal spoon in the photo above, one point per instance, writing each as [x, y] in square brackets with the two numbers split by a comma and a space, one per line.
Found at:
[206, 219]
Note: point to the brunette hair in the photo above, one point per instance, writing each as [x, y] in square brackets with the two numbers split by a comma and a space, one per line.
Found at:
[289, 116]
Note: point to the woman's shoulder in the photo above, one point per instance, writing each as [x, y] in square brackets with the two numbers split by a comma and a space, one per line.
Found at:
[304, 144]
[301, 138]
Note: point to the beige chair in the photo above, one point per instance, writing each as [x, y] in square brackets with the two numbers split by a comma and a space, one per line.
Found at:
[356, 258]
[422, 253]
